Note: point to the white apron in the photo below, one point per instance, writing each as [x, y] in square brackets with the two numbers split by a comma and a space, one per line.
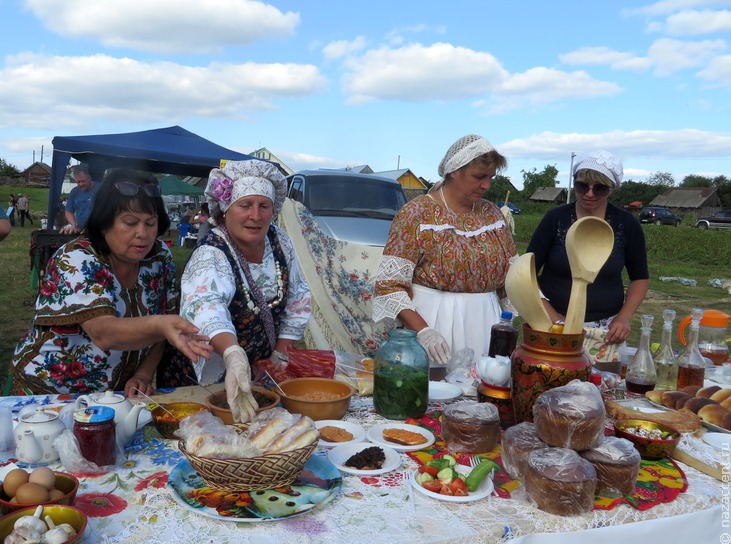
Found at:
[464, 319]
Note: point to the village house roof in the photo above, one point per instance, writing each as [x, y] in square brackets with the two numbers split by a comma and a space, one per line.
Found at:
[549, 194]
[688, 197]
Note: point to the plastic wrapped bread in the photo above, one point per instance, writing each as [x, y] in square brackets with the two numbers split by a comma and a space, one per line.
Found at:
[571, 416]
[617, 465]
[559, 481]
[517, 443]
[470, 426]
[205, 435]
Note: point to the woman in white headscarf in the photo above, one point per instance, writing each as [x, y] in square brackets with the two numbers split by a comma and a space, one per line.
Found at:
[596, 175]
[242, 284]
[443, 268]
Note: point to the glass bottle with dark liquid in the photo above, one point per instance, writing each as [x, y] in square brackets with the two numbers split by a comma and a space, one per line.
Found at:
[691, 365]
[641, 376]
[503, 336]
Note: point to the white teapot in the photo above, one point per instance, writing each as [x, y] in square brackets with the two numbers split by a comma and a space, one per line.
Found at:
[126, 414]
[35, 436]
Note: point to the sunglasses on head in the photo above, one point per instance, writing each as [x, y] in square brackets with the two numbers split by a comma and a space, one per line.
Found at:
[598, 189]
[127, 188]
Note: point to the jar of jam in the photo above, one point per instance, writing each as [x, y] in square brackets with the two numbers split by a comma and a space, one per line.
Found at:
[94, 430]
[501, 398]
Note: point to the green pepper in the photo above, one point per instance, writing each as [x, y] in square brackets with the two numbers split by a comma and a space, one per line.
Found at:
[479, 473]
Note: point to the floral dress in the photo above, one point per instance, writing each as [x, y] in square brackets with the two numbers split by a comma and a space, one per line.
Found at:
[56, 355]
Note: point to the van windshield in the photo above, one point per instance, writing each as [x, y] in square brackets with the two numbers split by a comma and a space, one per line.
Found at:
[348, 196]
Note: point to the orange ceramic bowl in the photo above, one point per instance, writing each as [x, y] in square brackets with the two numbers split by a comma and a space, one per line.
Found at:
[218, 405]
[65, 482]
[638, 432]
[318, 398]
[59, 513]
[167, 417]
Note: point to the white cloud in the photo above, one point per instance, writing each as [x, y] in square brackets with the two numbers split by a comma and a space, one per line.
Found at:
[594, 56]
[669, 56]
[418, 73]
[718, 70]
[344, 48]
[669, 6]
[166, 26]
[134, 91]
[691, 23]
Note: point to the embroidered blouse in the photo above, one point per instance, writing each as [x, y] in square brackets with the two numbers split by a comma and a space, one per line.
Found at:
[432, 247]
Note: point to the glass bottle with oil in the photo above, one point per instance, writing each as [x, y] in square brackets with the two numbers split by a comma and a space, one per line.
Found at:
[666, 363]
[691, 365]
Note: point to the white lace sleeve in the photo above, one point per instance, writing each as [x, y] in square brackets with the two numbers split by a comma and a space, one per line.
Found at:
[393, 269]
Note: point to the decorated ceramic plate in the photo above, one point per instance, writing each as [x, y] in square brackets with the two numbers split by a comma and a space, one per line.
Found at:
[443, 391]
[484, 490]
[722, 441]
[356, 430]
[375, 435]
[317, 484]
[338, 456]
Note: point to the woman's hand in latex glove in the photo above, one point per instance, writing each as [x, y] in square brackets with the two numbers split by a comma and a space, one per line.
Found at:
[434, 344]
[238, 385]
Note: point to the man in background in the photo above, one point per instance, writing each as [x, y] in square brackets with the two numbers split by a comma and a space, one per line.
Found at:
[81, 199]
[24, 210]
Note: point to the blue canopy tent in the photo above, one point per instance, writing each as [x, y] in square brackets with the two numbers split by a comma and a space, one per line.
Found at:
[170, 150]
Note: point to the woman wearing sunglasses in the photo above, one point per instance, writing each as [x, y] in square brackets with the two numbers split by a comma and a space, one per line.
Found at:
[596, 175]
[108, 301]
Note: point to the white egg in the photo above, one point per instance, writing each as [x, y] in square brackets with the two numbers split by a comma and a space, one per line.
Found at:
[497, 372]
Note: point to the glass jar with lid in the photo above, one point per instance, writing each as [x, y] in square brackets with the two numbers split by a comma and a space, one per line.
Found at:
[95, 432]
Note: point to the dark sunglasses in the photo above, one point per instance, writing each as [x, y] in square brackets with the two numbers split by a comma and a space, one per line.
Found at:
[598, 189]
[127, 188]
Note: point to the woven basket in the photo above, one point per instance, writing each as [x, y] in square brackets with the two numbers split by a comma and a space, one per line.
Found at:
[251, 473]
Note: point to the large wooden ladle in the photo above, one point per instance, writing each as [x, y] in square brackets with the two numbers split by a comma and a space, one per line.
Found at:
[521, 286]
[589, 243]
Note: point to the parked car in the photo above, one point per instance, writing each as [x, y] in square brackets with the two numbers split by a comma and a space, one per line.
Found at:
[349, 206]
[719, 220]
[513, 208]
[659, 216]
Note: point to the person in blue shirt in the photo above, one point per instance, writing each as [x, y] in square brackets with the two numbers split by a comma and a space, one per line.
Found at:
[81, 199]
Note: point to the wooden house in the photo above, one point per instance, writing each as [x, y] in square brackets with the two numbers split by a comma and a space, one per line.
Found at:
[698, 201]
[38, 173]
[556, 195]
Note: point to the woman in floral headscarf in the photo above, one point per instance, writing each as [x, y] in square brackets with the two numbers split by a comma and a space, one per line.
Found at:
[596, 175]
[242, 285]
[443, 268]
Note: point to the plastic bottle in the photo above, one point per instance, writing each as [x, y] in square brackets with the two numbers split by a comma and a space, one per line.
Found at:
[503, 336]
[641, 376]
[691, 365]
[666, 363]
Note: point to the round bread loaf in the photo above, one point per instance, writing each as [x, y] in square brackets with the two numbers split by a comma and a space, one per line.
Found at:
[560, 482]
[669, 398]
[696, 403]
[706, 392]
[617, 465]
[517, 443]
[682, 401]
[726, 403]
[570, 416]
[713, 413]
[721, 395]
[690, 389]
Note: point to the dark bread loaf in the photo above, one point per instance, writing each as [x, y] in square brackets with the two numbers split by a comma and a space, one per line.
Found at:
[617, 465]
[706, 392]
[669, 398]
[696, 403]
[570, 416]
[560, 482]
[691, 390]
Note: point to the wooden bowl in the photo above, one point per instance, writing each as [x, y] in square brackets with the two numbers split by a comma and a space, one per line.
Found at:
[68, 483]
[218, 405]
[318, 398]
[649, 448]
[165, 423]
[59, 514]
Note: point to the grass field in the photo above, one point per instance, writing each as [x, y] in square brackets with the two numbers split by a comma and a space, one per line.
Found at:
[682, 252]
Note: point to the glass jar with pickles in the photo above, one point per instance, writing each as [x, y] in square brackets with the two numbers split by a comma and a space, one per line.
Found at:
[401, 377]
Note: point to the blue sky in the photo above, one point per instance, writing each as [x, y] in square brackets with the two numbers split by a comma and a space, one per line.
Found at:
[334, 83]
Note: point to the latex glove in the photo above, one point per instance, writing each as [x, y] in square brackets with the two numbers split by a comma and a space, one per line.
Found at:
[434, 344]
[238, 385]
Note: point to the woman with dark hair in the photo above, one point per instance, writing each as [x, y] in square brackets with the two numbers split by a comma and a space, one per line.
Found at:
[107, 302]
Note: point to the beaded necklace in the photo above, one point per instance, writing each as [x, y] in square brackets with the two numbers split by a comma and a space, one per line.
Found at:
[441, 193]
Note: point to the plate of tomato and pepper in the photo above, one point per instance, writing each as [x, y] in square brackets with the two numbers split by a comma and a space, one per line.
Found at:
[451, 489]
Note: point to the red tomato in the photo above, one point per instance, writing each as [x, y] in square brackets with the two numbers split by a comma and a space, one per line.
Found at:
[432, 471]
[433, 486]
[460, 493]
[458, 485]
[446, 490]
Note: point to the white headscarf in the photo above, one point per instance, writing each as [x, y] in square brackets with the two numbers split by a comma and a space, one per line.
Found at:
[238, 179]
[604, 162]
[462, 152]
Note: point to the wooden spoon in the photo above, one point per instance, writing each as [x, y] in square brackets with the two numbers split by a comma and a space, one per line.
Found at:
[589, 243]
[521, 286]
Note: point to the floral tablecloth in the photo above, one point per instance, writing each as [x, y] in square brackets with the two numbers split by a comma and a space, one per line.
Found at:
[135, 505]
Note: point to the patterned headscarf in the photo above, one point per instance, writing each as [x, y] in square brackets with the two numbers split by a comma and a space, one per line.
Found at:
[462, 152]
[603, 162]
[238, 179]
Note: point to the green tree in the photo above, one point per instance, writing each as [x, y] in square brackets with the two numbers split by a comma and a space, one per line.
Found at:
[665, 179]
[633, 191]
[7, 169]
[694, 180]
[534, 180]
[499, 187]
